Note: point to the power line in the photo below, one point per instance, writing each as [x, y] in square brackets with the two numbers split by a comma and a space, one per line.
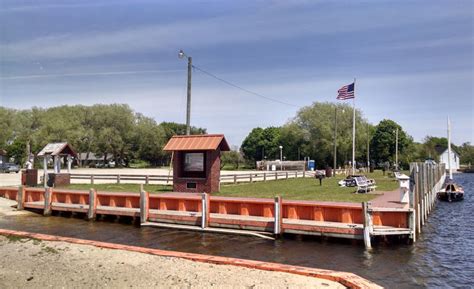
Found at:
[243, 89]
[103, 73]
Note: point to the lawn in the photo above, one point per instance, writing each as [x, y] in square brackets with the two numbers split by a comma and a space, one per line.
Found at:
[307, 189]
[292, 189]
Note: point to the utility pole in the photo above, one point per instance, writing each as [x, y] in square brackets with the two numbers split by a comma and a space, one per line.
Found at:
[335, 141]
[181, 55]
[188, 98]
[396, 149]
[368, 148]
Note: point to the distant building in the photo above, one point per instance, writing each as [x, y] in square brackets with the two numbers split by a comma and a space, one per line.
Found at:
[443, 158]
[93, 160]
[3, 157]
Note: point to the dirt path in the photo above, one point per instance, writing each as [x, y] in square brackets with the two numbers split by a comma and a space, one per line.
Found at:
[30, 263]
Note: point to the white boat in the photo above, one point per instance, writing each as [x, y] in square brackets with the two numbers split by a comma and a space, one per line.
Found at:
[451, 192]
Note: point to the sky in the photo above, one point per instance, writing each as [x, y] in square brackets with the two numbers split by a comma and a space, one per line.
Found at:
[413, 60]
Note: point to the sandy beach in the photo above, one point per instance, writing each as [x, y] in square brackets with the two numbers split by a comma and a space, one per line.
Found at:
[31, 263]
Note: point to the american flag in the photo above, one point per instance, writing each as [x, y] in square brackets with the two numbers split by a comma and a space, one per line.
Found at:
[346, 92]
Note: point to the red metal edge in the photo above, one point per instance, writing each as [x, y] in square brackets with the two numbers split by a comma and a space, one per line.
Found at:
[347, 279]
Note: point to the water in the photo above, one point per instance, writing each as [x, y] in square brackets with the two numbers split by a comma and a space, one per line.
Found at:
[443, 257]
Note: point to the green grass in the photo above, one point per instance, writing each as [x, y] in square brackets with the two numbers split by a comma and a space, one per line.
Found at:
[307, 189]
[291, 189]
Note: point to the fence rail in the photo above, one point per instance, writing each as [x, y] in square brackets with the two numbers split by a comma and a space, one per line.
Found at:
[168, 179]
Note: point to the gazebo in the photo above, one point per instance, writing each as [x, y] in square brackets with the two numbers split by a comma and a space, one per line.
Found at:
[57, 151]
[196, 162]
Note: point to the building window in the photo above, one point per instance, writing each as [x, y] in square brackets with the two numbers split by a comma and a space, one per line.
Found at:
[194, 165]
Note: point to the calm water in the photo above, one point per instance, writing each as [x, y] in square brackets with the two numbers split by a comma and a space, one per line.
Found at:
[442, 258]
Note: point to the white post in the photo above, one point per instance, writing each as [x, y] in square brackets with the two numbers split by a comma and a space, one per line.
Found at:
[276, 227]
[353, 132]
[69, 163]
[367, 225]
[203, 210]
[449, 150]
[55, 164]
[45, 171]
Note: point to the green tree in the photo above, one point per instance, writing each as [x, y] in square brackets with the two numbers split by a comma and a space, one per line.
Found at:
[466, 153]
[315, 135]
[261, 143]
[383, 143]
[149, 140]
[231, 159]
[431, 147]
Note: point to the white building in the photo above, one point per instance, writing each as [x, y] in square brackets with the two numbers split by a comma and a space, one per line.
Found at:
[443, 159]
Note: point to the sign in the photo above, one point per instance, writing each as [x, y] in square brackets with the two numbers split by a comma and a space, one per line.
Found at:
[194, 162]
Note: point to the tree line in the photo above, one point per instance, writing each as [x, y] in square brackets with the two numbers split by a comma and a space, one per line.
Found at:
[128, 136]
[113, 129]
[316, 128]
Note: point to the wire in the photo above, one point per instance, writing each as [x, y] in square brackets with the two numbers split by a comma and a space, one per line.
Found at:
[106, 73]
[244, 89]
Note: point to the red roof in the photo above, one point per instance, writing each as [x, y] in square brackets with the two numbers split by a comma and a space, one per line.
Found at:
[204, 142]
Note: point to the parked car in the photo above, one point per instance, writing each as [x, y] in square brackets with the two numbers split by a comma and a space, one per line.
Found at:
[9, 168]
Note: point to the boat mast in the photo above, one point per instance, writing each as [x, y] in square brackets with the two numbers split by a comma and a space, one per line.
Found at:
[449, 150]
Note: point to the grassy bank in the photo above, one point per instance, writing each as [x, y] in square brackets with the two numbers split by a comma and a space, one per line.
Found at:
[294, 189]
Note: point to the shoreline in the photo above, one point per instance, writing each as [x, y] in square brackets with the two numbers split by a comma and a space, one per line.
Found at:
[265, 269]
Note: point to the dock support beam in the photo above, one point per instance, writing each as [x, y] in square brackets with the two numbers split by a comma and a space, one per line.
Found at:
[205, 208]
[48, 193]
[20, 198]
[367, 225]
[144, 205]
[278, 216]
[92, 204]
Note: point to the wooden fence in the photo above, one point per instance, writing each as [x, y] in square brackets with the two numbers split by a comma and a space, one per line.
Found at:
[168, 179]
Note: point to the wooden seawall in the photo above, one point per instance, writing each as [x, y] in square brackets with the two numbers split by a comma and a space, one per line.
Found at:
[252, 216]
[275, 216]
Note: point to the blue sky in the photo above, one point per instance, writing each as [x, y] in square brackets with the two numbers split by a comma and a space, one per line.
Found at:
[413, 60]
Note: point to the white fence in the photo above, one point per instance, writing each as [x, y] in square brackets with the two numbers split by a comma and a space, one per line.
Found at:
[168, 179]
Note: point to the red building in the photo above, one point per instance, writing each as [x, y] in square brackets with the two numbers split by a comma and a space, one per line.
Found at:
[196, 162]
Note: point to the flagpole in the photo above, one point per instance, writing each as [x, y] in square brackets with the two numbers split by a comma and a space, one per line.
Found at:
[353, 131]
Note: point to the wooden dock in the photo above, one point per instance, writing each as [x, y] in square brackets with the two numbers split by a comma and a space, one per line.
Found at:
[384, 216]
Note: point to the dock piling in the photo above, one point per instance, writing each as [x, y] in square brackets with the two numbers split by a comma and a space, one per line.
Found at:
[20, 198]
[48, 192]
[205, 207]
[367, 225]
[92, 204]
[144, 205]
[277, 216]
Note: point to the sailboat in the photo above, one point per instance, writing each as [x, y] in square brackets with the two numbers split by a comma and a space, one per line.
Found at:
[451, 192]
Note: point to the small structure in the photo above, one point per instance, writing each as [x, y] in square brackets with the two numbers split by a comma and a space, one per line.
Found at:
[443, 158]
[93, 160]
[196, 162]
[57, 151]
[3, 156]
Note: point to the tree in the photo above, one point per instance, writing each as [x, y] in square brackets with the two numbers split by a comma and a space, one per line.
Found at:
[102, 129]
[232, 159]
[261, 143]
[466, 153]
[312, 131]
[148, 140]
[383, 143]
